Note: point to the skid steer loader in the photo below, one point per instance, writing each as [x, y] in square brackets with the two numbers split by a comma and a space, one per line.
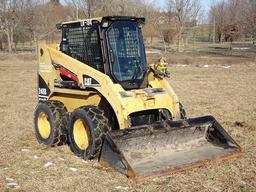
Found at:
[97, 94]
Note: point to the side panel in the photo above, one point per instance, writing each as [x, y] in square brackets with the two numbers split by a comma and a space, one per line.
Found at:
[74, 101]
[172, 98]
[43, 89]
[46, 74]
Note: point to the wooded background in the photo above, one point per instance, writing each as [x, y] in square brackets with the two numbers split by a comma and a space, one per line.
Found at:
[179, 22]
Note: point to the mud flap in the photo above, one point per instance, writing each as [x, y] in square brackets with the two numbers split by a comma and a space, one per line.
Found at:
[170, 146]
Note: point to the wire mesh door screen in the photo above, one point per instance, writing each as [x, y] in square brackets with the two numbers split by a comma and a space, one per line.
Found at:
[84, 45]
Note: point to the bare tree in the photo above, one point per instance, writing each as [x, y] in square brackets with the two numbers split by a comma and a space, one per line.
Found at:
[10, 12]
[95, 8]
[88, 8]
[248, 16]
[42, 17]
[218, 13]
[231, 33]
[183, 11]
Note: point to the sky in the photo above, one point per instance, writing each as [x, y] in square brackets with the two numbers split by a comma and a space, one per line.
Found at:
[205, 3]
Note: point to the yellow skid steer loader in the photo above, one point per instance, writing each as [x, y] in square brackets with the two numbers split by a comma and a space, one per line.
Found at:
[98, 94]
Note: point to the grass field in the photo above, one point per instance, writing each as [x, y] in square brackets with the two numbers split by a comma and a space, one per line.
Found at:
[242, 52]
[228, 93]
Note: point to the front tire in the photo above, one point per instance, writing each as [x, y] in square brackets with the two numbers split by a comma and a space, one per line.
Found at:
[87, 125]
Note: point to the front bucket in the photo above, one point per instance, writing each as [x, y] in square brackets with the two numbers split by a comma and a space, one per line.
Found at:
[170, 146]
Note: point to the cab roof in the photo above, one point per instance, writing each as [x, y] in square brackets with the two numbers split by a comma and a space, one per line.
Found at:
[106, 18]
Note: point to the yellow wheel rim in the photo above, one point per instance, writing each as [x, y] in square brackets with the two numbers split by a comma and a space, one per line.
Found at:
[81, 134]
[44, 125]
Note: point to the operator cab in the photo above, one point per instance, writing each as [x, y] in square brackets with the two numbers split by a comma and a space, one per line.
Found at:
[112, 45]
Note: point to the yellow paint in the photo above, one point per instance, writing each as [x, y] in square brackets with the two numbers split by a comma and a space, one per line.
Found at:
[138, 100]
[77, 99]
[81, 134]
[44, 126]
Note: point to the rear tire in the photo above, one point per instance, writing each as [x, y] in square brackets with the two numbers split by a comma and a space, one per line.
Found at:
[87, 125]
[50, 123]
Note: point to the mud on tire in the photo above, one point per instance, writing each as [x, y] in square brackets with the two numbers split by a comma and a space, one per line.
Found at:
[50, 123]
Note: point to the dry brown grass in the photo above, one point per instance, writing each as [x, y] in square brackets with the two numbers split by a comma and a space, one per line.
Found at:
[228, 94]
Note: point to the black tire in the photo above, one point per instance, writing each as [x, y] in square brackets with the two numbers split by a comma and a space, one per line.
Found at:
[183, 114]
[95, 123]
[55, 113]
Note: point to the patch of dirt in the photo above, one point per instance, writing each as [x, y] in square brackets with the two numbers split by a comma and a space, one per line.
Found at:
[240, 123]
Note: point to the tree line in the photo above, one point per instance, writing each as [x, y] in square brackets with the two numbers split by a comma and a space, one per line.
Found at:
[31, 20]
[230, 19]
